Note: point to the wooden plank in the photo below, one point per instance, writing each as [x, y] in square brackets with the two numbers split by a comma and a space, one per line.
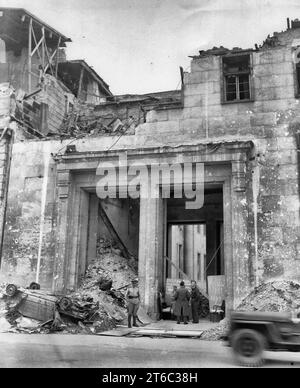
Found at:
[80, 83]
[176, 267]
[168, 333]
[121, 332]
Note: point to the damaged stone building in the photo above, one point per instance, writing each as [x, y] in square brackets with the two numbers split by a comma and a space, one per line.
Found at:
[237, 112]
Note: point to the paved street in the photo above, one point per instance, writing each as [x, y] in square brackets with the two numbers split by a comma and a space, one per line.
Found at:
[75, 351]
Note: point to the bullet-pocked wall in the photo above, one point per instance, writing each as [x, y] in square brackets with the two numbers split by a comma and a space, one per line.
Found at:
[271, 118]
[261, 192]
[29, 235]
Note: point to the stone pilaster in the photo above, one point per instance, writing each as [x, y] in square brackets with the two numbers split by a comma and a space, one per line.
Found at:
[151, 252]
[241, 264]
[60, 268]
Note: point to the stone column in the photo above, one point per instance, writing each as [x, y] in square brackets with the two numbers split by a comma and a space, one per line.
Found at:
[61, 261]
[151, 252]
[189, 250]
[240, 253]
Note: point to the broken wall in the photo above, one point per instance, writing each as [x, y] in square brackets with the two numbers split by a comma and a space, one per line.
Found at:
[56, 96]
[270, 242]
[46, 110]
[30, 216]
[271, 120]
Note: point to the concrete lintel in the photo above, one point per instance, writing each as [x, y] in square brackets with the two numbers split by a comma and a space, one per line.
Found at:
[224, 152]
[233, 145]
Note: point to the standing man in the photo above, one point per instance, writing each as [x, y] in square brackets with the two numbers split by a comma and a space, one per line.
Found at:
[195, 301]
[173, 302]
[133, 302]
[182, 297]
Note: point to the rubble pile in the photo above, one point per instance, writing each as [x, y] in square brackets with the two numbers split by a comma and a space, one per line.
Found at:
[106, 281]
[98, 305]
[274, 296]
[218, 332]
[4, 324]
[278, 295]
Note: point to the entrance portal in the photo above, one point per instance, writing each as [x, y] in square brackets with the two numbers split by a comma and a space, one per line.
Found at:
[194, 246]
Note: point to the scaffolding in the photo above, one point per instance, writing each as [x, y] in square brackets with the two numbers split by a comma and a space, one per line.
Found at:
[37, 44]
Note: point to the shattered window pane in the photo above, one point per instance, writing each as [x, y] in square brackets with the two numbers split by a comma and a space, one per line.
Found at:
[231, 88]
[244, 90]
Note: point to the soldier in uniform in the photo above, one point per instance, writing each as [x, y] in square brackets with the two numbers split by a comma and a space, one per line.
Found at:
[133, 302]
[195, 301]
[182, 297]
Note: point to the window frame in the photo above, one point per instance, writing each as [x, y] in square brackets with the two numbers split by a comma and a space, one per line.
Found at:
[225, 74]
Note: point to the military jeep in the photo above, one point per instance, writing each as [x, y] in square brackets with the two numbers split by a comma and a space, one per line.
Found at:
[251, 333]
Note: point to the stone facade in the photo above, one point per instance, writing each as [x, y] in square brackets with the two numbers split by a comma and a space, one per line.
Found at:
[248, 147]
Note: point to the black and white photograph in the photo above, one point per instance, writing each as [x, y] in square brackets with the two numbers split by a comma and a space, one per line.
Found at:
[149, 187]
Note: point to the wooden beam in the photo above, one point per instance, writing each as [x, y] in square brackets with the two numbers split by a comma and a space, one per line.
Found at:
[49, 59]
[177, 268]
[113, 232]
[37, 45]
[80, 83]
[43, 48]
[57, 52]
[49, 62]
[29, 55]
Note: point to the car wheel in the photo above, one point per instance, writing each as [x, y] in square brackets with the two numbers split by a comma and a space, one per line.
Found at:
[11, 290]
[248, 347]
[65, 304]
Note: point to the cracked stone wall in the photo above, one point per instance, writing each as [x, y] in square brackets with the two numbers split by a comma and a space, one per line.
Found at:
[271, 210]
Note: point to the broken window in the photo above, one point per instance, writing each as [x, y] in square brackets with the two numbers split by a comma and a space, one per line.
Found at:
[237, 82]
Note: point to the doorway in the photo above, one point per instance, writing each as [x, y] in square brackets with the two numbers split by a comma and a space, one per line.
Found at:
[194, 246]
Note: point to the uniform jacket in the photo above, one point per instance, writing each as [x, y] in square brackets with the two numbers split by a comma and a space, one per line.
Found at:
[133, 295]
[195, 294]
[182, 297]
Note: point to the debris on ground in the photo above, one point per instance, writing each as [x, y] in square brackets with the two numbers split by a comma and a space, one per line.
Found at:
[217, 332]
[274, 296]
[106, 281]
[5, 326]
[278, 295]
[27, 323]
[98, 305]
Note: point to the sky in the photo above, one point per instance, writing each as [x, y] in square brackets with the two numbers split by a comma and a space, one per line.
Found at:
[137, 46]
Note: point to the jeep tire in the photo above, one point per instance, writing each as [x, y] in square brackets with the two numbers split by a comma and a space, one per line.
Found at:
[248, 347]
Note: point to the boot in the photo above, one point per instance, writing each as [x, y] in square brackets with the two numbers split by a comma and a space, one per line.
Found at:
[134, 322]
[129, 321]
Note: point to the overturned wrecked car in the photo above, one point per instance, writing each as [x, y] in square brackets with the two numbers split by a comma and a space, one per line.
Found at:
[42, 305]
[49, 309]
[252, 333]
